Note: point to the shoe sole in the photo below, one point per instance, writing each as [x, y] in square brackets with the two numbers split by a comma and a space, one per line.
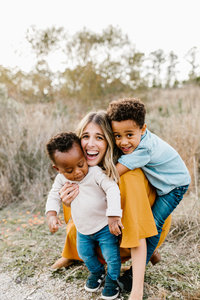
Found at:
[111, 297]
[94, 290]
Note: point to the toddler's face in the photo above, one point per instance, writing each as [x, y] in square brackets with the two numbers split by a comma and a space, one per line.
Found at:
[127, 135]
[72, 164]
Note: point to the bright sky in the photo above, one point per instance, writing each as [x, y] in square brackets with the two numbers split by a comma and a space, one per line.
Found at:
[150, 24]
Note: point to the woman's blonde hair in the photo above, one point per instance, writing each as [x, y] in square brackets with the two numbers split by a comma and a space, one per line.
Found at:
[111, 154]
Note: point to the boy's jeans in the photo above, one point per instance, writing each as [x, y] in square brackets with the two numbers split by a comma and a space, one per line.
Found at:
[162, 208]
[109, 245]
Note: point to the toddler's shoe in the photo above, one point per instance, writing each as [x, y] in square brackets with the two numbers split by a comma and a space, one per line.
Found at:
[111, 289]
[94, 281]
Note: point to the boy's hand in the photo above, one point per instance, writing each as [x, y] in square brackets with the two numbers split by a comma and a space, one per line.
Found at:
[53, 222]
[115, 225]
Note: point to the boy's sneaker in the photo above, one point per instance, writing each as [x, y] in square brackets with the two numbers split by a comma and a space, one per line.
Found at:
[94, 281]
[126, 280]
[111, 289]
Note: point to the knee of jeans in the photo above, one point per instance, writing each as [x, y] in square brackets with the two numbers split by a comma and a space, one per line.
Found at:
[112, 256]
[159, 222]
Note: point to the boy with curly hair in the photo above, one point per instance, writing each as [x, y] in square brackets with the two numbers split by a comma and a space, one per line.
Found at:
[140, 148]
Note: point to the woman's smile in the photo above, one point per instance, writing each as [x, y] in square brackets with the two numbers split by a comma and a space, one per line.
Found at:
[93, 143]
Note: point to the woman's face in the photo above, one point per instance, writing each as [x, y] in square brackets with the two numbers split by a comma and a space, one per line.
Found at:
[94, 144]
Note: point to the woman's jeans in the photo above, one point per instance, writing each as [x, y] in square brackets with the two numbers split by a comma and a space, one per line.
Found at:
[109, 246]
[162, 208]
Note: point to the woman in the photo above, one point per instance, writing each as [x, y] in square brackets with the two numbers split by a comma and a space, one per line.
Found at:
[137, 197]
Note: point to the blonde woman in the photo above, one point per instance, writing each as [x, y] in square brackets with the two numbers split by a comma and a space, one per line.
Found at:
[137, 197]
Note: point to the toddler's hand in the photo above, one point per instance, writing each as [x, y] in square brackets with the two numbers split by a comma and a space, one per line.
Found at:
[54, 223]
[115, 225]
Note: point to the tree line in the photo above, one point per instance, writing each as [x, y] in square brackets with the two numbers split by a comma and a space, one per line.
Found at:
[95, 65]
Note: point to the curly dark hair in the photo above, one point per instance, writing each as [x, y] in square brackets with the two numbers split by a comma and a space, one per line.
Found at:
[127, 109]
[61, 142]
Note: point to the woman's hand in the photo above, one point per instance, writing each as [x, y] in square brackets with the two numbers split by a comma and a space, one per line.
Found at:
[115, 225]
[68, 193]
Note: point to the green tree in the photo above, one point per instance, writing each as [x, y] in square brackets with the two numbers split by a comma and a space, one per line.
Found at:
[171, 79]
[191, 58]
[158, 59]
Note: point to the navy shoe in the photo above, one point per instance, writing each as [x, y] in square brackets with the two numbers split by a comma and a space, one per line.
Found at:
[111, 289]
[94, 281]
[126, 280]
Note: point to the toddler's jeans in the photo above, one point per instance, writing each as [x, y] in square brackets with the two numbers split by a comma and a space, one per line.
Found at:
[109, 245]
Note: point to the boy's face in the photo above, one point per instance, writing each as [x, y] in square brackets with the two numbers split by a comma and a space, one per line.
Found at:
[72, 164]
[127, 135]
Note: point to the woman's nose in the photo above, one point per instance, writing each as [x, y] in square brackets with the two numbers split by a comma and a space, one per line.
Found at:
[91, 141]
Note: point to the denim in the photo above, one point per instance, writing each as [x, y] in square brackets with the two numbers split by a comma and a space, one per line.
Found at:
[162, 208]
[109, 245]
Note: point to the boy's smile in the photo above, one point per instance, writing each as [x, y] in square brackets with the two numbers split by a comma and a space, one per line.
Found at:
[127, 135]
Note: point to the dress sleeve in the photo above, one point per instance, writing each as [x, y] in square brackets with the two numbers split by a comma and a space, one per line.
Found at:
[137, 159]
[53, 199]
[112, 192]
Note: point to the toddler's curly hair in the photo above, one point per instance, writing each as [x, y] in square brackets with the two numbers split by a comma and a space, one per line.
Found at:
[127, 109]
[61, 142]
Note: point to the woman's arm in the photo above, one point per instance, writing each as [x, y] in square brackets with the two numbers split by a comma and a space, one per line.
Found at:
[68, 193]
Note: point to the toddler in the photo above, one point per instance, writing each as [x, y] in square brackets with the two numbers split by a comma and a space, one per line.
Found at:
[96, 211]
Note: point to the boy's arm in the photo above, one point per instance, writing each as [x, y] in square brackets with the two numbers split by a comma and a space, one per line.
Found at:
[53, 205]
[114, 211]
[121, 169]
[53, 199]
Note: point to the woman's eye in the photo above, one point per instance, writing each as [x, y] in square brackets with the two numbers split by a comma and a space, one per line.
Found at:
[129, 135]
[99, 138]
[85, 136]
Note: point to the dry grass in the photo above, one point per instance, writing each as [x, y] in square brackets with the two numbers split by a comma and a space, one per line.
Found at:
[26, 176]
[25, 129]
[28, 249]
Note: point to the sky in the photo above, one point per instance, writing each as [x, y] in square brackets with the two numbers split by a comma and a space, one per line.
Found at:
[170, 25]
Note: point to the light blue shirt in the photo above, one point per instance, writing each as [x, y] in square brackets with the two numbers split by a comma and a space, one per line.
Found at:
[161, 163]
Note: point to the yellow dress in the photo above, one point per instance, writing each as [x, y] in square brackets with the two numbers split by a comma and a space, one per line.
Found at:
[137, 197]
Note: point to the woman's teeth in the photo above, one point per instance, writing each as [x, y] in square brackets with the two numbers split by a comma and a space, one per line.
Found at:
[92, 153]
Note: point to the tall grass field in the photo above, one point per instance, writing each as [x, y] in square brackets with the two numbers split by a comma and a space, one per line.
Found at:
[27, 248]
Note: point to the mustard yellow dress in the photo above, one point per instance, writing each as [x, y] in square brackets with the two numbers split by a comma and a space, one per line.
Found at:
[137, 197]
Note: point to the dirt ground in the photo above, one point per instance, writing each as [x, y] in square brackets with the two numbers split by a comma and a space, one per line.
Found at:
[27, 250]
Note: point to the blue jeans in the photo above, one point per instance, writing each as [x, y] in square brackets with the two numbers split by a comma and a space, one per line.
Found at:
[109, 246]
[162, 208]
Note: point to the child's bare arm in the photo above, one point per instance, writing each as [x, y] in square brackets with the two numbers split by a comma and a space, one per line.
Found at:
[115, 225]
[53, 221]
[121, 169]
